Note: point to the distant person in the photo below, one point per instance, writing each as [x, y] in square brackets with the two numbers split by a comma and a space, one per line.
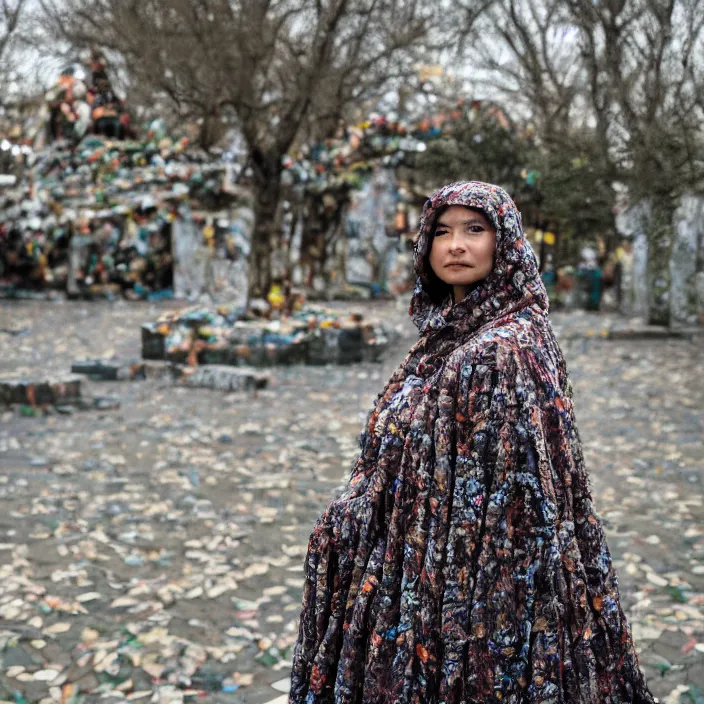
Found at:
[106, 107]
[590, 276]
[464, 561]
[60, 103]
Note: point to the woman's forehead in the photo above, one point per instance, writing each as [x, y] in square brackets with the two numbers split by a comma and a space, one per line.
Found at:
[461, 214]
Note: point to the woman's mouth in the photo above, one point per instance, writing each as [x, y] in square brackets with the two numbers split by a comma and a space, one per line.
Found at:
[455, 265]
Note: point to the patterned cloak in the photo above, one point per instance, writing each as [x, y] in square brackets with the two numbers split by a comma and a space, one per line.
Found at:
[464, 561]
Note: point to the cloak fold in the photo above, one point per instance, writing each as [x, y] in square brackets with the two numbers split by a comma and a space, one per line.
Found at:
[465, 562]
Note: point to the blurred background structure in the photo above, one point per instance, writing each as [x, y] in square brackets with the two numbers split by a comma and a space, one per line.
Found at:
[263, 125]
[218, 199]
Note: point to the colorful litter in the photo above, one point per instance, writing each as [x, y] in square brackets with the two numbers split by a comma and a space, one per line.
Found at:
[312, 335]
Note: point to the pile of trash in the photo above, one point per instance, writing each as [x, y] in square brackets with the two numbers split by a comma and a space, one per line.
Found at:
[100, 213]
[382, 140]
[311, 335]
[96, 220]
[86, 207]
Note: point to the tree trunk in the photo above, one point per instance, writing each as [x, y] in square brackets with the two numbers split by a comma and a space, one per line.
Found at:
[266, 223]
[327, 256]
[211, 130]
[687, 232]
[660, 235]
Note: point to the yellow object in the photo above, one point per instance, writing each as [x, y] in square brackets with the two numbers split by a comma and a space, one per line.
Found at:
[549, 238]
[426, 71]
[276, 296]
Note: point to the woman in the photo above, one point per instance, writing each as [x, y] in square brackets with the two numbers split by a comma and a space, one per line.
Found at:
[464, 562]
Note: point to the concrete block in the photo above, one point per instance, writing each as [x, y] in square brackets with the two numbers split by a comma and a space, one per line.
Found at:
[223, 378]
[39, 392]
[110, 371]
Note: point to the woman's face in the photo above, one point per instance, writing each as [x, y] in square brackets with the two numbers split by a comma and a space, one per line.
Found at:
[462, 252]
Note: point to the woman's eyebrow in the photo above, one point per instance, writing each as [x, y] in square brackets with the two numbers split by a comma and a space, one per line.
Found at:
[470, 221]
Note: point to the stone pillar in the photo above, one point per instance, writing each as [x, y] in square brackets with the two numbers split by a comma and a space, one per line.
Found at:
[188, 256]
[699, 284]
[660, 237]
[242, 228]
[668, 258]
[634, 223]
[76, 258]
[687, 227]
[640, 275]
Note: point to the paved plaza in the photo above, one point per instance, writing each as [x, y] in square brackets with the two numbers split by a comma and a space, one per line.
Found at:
[154, 551]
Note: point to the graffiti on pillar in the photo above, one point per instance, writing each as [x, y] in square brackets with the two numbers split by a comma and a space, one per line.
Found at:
[633, 222]
[212, 261]
[371, 252]
[688, 230]
[189, 257]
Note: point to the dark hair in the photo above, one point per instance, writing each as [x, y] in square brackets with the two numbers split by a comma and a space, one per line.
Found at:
[437, 289]
[434, 287]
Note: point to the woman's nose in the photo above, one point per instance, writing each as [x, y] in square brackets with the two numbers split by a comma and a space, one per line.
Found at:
[456, 244]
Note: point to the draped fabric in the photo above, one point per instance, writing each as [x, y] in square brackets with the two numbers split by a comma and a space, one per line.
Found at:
[464, 561]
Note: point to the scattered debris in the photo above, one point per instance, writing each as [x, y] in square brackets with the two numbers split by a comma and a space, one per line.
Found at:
[156, 553]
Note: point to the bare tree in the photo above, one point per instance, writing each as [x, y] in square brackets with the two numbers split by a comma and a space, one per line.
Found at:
[642, 58]
[529, 57]
[526, 52]
[11, 13]
[619, 77]
[275, 67]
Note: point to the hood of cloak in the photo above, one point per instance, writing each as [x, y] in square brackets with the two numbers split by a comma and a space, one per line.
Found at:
[464, 561]
[514, 282]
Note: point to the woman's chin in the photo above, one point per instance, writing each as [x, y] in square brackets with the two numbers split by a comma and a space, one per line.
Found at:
[461, 280]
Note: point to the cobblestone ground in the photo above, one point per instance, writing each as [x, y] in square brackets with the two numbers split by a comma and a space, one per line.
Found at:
[154, 552]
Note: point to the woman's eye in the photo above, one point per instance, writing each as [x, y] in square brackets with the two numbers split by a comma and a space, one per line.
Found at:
[440, 232]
